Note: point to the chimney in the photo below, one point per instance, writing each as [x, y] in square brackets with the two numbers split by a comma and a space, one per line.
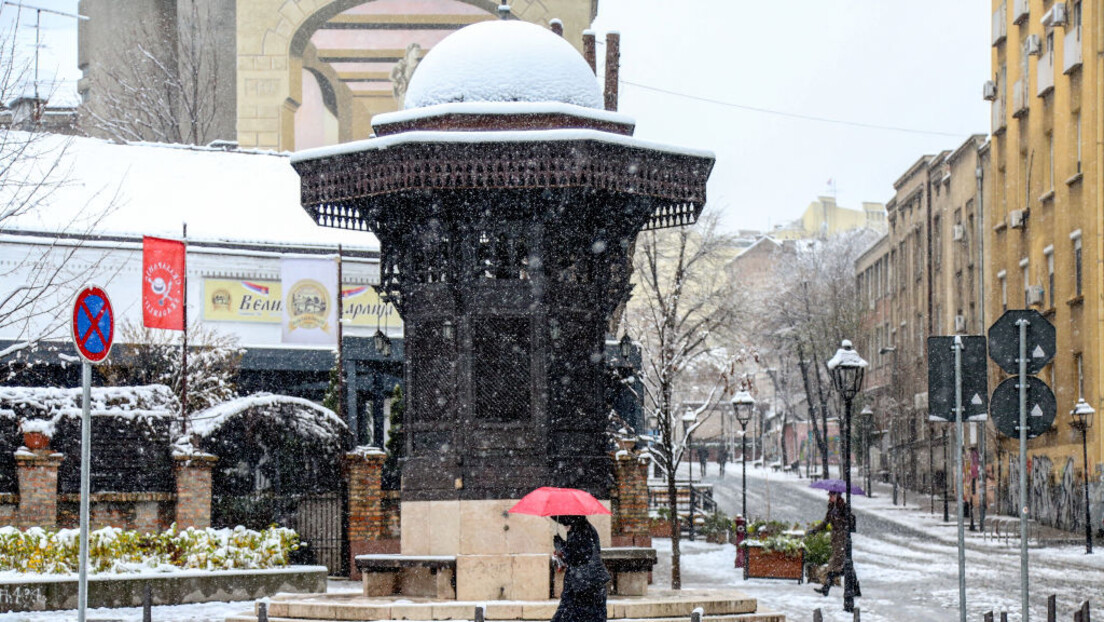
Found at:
[613, 68]
[588, 50]
[557, 26]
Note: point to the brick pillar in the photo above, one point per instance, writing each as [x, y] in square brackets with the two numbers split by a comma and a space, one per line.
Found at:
[630, 521]
[369, 531]
[363, 475]
[193, 489]
[38, 482]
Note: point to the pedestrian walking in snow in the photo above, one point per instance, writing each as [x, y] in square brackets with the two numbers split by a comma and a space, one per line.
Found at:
[703, 459]
[584, 587]
[836, 518]
[722, 459]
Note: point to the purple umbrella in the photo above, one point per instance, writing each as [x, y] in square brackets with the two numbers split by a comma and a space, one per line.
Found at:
[836, 485]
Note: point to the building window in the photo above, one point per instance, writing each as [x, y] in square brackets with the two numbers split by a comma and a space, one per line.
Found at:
[1026, 267]
[1077, 138]
[1077, 361]
[1050, 160]
[1049, 252]
[1002, 276]
[1076, 237]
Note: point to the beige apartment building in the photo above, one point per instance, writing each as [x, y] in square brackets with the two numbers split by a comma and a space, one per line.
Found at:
[824, 218]
[920, 280]
[1043, 223]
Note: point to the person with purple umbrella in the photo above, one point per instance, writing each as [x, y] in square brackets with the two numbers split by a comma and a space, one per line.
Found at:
[836, 518]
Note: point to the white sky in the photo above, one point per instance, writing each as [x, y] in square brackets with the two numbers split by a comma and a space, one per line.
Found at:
[911, 65]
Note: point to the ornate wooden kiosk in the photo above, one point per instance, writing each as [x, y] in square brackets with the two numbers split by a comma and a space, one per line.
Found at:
[505, 231]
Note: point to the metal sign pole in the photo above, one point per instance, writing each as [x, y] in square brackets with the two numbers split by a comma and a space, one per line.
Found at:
[1025, 613]
[85, 487]
[958, 479]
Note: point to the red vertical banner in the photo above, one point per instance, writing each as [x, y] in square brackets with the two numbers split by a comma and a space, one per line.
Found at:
[163, 283]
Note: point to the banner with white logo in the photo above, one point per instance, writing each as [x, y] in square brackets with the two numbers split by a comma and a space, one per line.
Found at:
[309, 286]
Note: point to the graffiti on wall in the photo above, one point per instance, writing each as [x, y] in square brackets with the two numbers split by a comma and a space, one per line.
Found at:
[1054, 499]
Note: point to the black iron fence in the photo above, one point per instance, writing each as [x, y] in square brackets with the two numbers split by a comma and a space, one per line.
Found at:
[320, 519]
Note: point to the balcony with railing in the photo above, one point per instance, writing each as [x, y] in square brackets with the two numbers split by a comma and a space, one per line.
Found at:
[1019, 99]
[1000, 23]
[1044, 76]
[1071, 50]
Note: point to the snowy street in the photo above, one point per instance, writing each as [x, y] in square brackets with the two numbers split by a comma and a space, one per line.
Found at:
[906, 559]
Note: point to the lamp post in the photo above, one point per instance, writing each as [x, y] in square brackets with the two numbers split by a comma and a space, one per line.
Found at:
[847, 369]
[743, 404]
[688, 420]
[1082, 420]
[867, 420]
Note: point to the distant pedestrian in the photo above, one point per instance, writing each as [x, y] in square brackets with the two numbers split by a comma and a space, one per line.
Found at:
[703, 459]
[722, 459]
[584, 587]
[836, 518]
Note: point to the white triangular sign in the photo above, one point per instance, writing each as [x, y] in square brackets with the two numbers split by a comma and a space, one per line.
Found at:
[1036, 412]
[1038, 353]
[976, 401]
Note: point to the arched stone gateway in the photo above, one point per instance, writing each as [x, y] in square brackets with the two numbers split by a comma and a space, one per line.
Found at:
[289, 51]
[505, 212]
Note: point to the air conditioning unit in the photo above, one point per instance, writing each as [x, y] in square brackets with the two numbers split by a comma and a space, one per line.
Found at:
[959, 233]
[1033, 46]
[1034, 294]
[1016, 218]
[1056, 16]
[989, 90]
[960, 323]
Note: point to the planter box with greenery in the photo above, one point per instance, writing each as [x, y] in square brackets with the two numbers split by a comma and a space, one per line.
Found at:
[777, 557]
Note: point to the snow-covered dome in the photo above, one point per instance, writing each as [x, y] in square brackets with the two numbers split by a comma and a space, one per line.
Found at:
[503, 61]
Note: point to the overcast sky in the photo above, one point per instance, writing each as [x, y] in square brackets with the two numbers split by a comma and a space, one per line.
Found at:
[706, 73]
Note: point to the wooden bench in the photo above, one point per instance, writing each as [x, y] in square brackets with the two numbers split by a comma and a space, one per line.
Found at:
[629, 566]
[432, 576]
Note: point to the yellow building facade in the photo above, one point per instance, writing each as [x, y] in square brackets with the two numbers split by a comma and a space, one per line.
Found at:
[1044, 211]
[824, 218]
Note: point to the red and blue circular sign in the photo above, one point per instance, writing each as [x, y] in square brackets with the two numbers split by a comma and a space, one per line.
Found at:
[93, 324]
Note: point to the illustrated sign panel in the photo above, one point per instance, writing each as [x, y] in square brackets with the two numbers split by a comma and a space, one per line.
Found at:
[1004, 341]
[941, 377]
[261, 301]
[1041, 407]
[93, 324]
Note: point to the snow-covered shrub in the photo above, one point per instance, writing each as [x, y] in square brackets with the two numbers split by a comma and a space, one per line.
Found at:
[113, 550]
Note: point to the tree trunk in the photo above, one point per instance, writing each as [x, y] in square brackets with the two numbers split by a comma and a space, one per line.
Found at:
[821, 437]
[672, 489]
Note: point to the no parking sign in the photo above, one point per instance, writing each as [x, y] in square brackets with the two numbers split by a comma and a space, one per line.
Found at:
[93, 324]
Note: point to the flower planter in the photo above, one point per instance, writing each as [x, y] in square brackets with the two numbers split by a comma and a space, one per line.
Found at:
[764, 564]
[35, 440]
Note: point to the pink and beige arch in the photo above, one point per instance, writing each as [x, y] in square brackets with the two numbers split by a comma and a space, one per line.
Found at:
[315, 72]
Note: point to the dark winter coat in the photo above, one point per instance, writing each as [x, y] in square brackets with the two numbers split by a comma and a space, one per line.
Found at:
[837, 518]
[584, 589]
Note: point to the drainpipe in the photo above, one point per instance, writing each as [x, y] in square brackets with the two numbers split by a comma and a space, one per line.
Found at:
[979, 236]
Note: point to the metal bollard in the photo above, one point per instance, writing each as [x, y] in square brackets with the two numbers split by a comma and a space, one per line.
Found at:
[147, 603]
[1085, 615]
[1004, 616]
[988, 617]
[262, 612]
[696, 615]
[479, 614]
[1052, 608]
[855, 614]
[818, 616]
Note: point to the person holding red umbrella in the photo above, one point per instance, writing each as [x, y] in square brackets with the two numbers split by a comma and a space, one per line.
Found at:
[585, 578]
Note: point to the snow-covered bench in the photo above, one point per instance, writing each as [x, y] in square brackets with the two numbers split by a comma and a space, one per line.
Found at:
[433, 576]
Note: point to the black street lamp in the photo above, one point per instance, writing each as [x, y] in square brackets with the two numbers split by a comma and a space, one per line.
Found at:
[847, 369]
[688, 421]
[743, 404]
[867, 421]
[382, 344]
[1082, 420]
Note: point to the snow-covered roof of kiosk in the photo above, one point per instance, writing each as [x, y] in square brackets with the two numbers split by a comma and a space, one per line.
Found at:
[503, 61]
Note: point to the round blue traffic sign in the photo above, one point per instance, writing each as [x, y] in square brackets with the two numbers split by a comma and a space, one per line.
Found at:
[93, 324]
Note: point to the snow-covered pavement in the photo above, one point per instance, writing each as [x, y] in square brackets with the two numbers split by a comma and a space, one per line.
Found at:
[906, 558]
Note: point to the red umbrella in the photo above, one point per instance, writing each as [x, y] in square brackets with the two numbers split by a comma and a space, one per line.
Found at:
[548, 501]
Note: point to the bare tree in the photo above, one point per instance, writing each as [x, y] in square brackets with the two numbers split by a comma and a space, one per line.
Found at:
[164, 86]
[38, 280]
[152, 356]
[818, 309]
[680, 313]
